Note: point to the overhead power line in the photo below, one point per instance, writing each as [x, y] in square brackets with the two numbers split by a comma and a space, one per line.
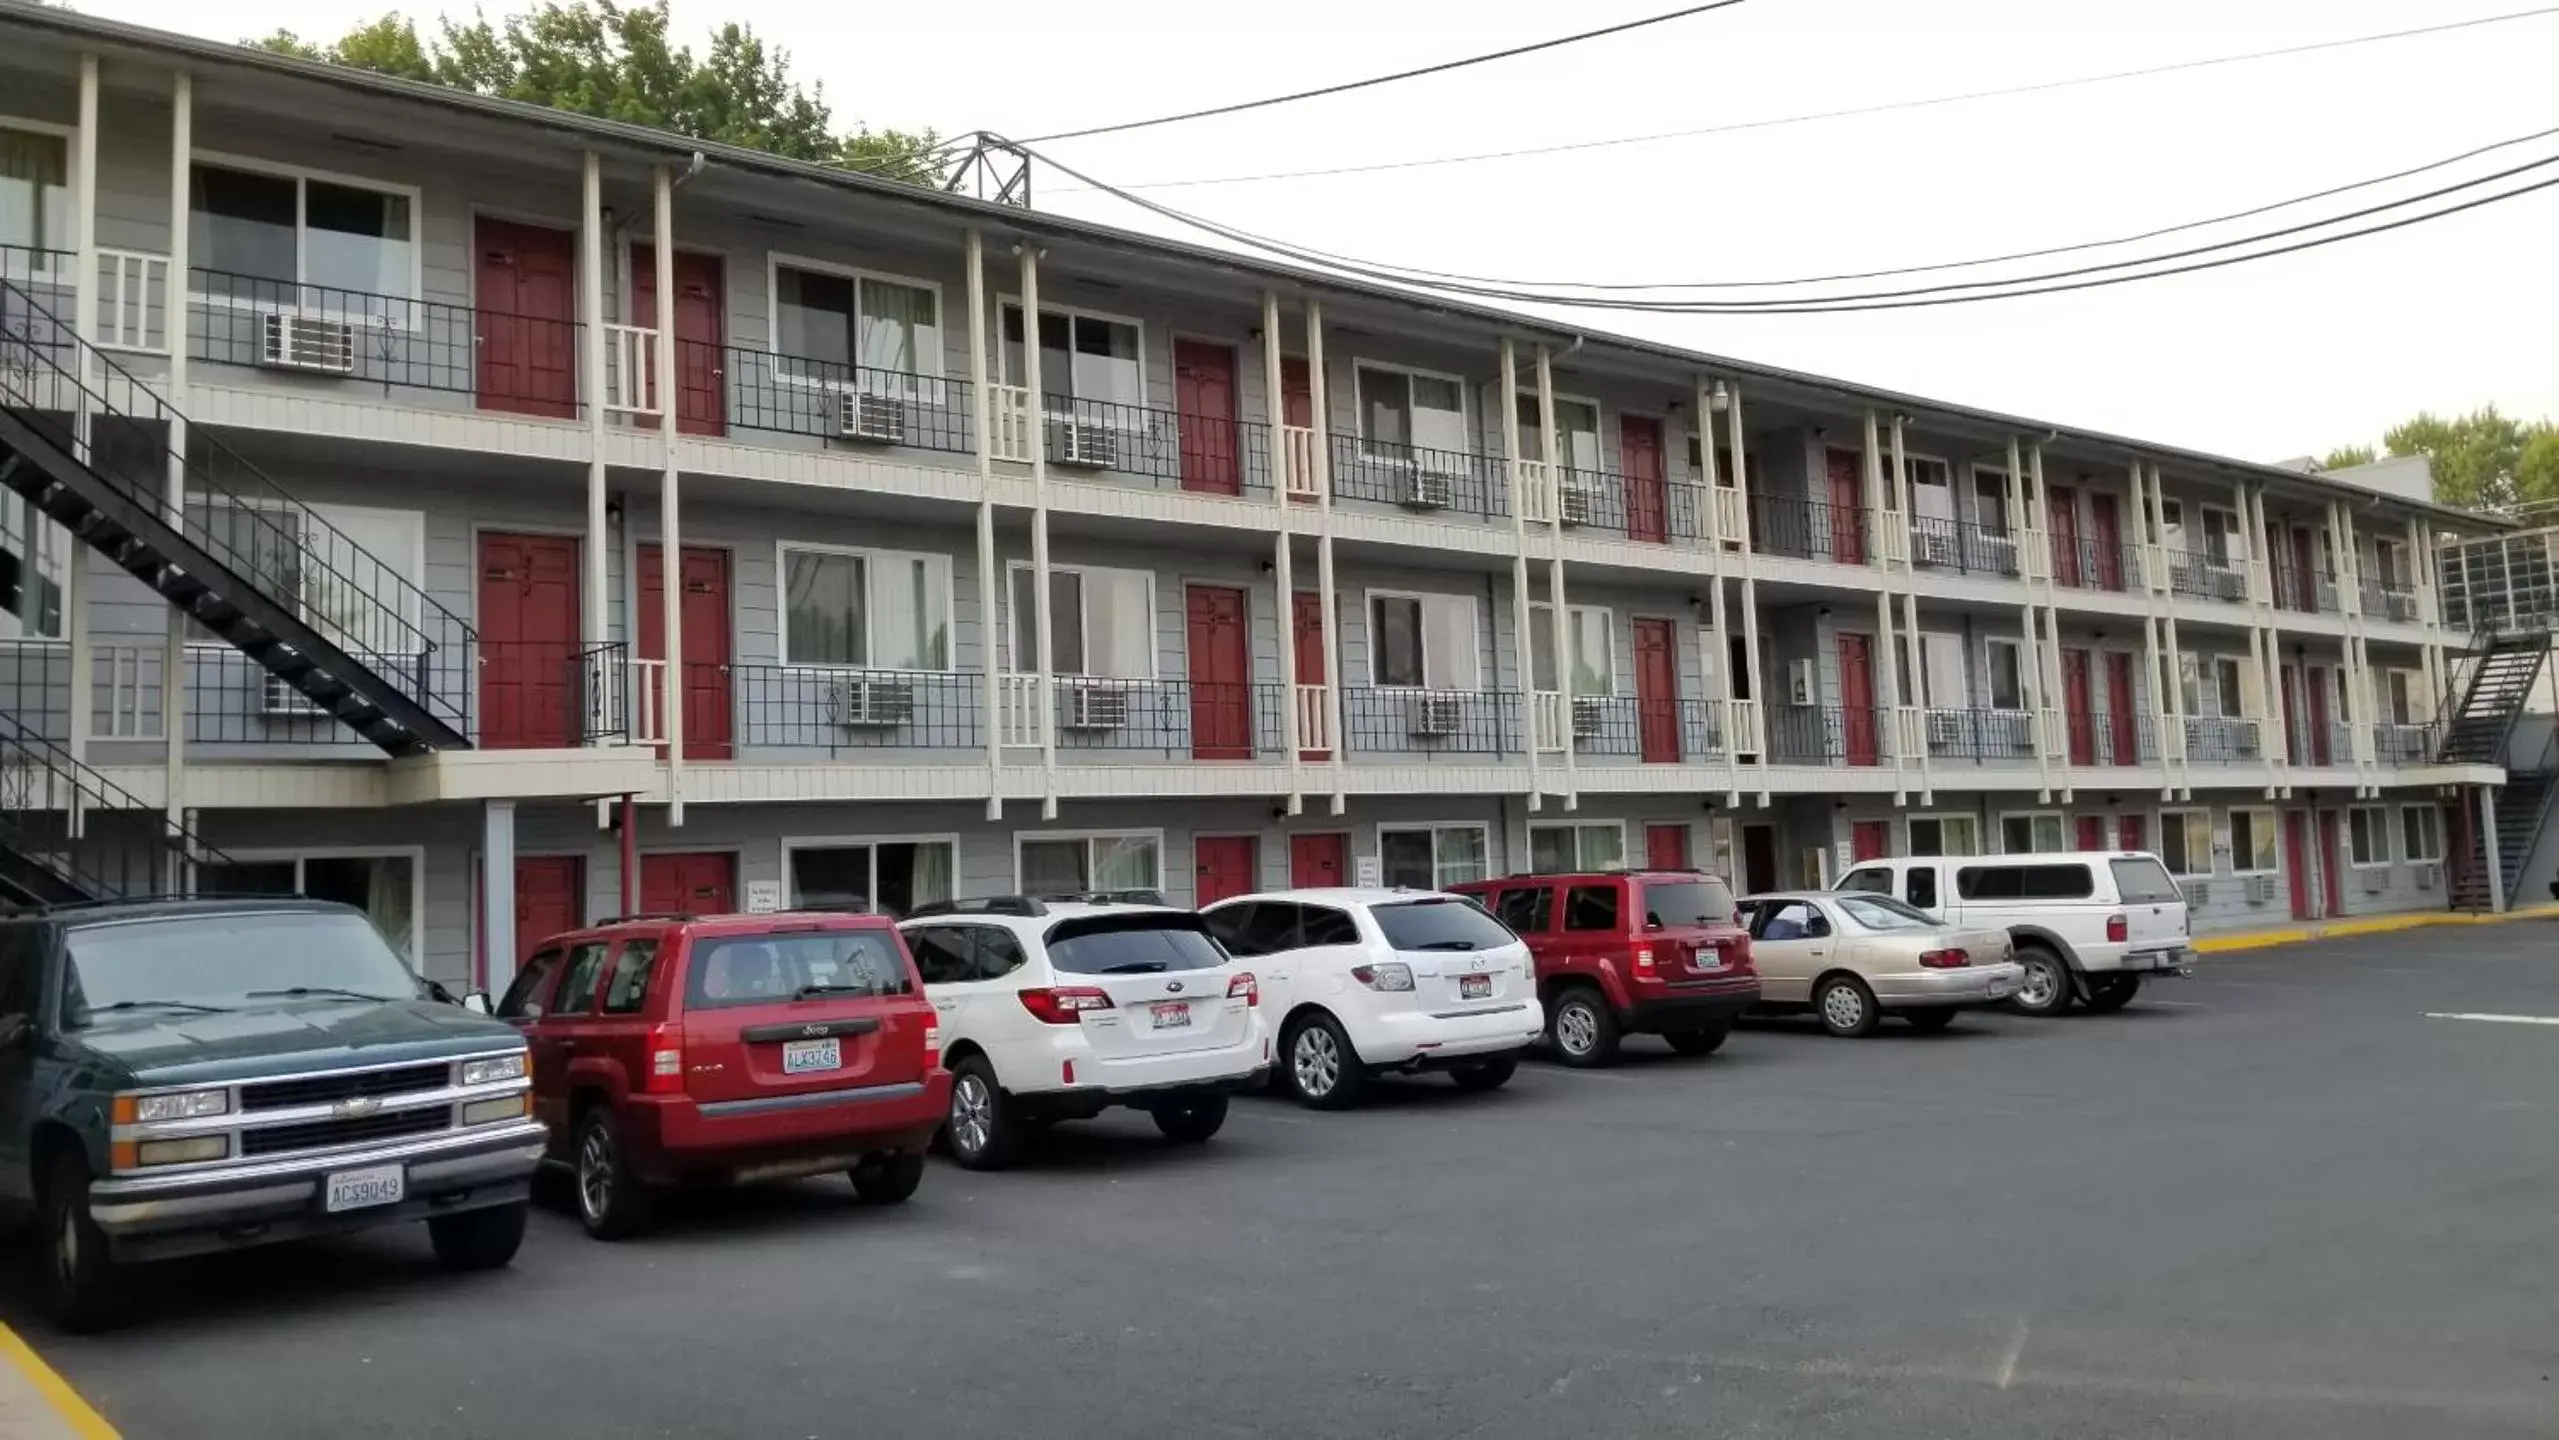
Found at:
[1442, 67]
[1851, 112]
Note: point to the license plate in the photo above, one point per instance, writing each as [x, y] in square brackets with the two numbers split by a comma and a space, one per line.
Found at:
[1474, 987]
[802, 1057]
[363, 1189]
[1173, 1015]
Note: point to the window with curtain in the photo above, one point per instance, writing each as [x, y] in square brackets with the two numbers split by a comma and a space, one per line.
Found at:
[1944, 835]
[2034, 834]
[2229, 687]
[35, 200]
[1055, 864]
[890, 330]
[1990, 500]
[2368, 834]
[349, 245]
[1433, 857]
[2420, 833]
[1101, 622]
[1082, 357]
[1593, 651]
[1422, 641]
[2005, 660]
[2225, 540]
[877, 610]
[1576, 423]
[1560, 849]
[890, 877]
[2252, 841]
[2185, 841]
[1397, 408]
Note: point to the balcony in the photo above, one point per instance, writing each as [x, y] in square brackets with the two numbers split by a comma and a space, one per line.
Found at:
[2399, 743]
[2224, 740]
[1959, 547]
[2092, 564]
[1810, 529]
[2202, 575]
[1411, 723]
[2308, 589]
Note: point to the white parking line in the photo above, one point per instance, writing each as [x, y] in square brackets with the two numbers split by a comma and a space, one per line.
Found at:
[2496, 1019]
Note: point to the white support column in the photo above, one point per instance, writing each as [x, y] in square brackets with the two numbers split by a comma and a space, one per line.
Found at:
[1521, 616]
[2274, 731]
[1871, 468]
[670, 527]
[1040, 605]
[1719, 659]
[173, 652]
[2030, 667]
[1283, 548]
[2496, 864]
[497, 891]
[1319, 418]
[597, 597]
[84, 311]
[1917, 700]
[2425, 564]
[1737, 432]
[989, 642]
[1552, 446]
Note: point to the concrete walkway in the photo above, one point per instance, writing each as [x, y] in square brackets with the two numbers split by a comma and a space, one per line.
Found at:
[38, 1404]
[2292, 934]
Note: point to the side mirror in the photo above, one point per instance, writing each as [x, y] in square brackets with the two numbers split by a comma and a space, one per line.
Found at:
[477, 1002]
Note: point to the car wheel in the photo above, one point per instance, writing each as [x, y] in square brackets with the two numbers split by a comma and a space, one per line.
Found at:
[1485, 1074]
[1582, 1028]
[2044, 988]
[1323, 1071]
[984, 1132]
[89, 1290]
[1192, 1121]
[887, 1179]
[1931, 1020]
[478, 1239]
[2110, 993]
[613, 1203]
[1846, 1006]
[1698, 1042]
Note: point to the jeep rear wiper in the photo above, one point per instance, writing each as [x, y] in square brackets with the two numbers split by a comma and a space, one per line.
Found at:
[165, 1004]
[806, 991]
[297, 991]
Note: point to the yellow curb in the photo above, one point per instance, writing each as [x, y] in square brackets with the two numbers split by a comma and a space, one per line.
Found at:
[2367, 925]
[78, 1419]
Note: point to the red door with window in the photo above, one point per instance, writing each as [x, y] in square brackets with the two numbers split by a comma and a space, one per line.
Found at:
[1317, 862]
[1221, 674]
[528, 641]
[524, 317]
[2079, 713]
[1857, 699]
[701, 331]
[2297, 862]
[2092, 832]
[2131, 833]
[1657, 691]
[1666, 847]
[1306, 625]
[1223, 866]
[2109, 540]
[550, 899]
[2062, 505]
[2316, 689]
[1297, 403]
[688, 884]
[1869, 840]
[1204, 402]
[2121, 727]
[705, 606]
[2332, 875]
[1847, 508]
[1639, 440]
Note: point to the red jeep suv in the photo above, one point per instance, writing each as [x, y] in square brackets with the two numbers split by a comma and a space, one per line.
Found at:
[731, 1048]
[1651, 951]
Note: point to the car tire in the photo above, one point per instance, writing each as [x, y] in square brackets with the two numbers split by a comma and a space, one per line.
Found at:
[2110, 993]
[886, 1179]
[1321, 1069]
[2045, 987]
[1846, 1007]
[984, 1131]
[479, 1239]
[1930, 1020]
[1481, 1075]
[613, 1203]
[89, 1291]
[1698, 1042]
[1192, 1121]
[1582, 1029]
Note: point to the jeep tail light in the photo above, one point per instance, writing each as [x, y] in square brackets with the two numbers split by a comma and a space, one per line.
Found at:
[1246, 988]
[1063, 1004]
[1643, 959]
[2118, 930]
[666, 1061]
[1944, 959]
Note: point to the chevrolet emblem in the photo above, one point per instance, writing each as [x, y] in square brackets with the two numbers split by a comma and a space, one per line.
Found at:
[355, 1109]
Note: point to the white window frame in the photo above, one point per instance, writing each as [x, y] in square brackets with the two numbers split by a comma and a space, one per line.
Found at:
[69, 135]
[2236, 534]
[1541, 621]
[2390, 563]
[302, 176]
[2377, 819]
[782, 606]
[411, 596]
[1578, 827]
[414, 854]
[929, 392]
[1434, 829]
[1154, 638]
[2432, 829]
[2172, 523]
[1998, 474]
[1061, 385]
[1912, 464]
[46, 547]
[1990, 673]
[791, 844]
[1598, 430]
[1409, 373]
[1474, 640]
[1910, 845]
[1020, 837]
[2243, 864]
[2195, 820]
[2061, 825]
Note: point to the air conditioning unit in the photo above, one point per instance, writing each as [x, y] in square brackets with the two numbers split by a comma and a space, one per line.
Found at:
[1088, 444]
[2261, 889]
[1437, 714]
[880, 419]
[2375, 881]
[2225, 584]
[305, 342]
[1426, 490]
[281, 699]
[1093, 707]
[1580, 503]
[1999, 553]
[2195, 891]
[2399, 604]
[1931, 547]
[1590, 715]
[868, 704]
[2424, 873]
[1945, 730]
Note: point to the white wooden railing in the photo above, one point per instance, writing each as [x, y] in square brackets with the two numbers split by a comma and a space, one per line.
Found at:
[1910, 732]
[2034, 554]
[1550, 720]
[2154, 567]
[2052, 736]
[1017, 711]
[1732, 515]
[1533, 491]
[133, 301]
[1297, 464]
[1314, 717]
[1742, 728]
[630, 371]
[1011, 437]
[645, 694]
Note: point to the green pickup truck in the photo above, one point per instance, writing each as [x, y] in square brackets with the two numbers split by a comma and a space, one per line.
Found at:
[182, 1076]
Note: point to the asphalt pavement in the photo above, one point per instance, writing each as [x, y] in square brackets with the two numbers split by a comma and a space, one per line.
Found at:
[2276, 1200]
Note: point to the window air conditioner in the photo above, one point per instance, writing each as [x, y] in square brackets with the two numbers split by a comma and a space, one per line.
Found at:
[866, 703]
[2423, 873]
[2195, 891]
[2375, 881]
[1088, 444]
[1931, 547]
[1945, 730]
[2261, 889]
[1093, 707]
[305, 342]
[2399, 604]
[1437, 714]
[1590, 715]
[2226, 584]
[880, 419]
[1580, 503]
[1427, 490]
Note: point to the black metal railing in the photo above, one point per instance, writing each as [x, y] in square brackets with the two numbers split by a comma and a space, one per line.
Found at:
[68, 832]
[1979, 735]
[829, 400]
[2406, 744]
[1593, 500]
[783, 707]
[1198, 720]
[2388, 600]
[1655, 730]
[1961, 547]
[1432, 722]
[35, 686]
[1417, 477]
[524, 363]
[2088, 563]
[1810, 529]
[2223, 740]
[552, 694]
[2204, 576]
[2310, 589]
[1829, 735]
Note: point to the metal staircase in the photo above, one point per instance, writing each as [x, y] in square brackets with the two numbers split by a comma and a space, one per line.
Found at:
[2501, 679]
[69, 834]
[89, 445]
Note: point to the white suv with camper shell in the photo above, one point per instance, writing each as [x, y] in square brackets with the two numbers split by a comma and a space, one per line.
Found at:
[2088, 925]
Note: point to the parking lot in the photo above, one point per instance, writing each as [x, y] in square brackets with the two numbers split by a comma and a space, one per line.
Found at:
[2275, 1200]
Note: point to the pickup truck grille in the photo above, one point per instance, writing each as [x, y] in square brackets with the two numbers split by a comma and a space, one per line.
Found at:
[321, 1134]
[324, 1089]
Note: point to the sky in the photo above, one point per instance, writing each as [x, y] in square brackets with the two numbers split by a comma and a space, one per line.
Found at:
[2284, 357]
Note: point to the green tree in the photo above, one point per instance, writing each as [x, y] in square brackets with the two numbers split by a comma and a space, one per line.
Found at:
[2473, 455]
[594, 57]
[2347, 457]
[2537, 468]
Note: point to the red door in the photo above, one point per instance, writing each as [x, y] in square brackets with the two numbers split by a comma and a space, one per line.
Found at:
[2295, 739]
[1204, 399]
[1647, 495]
[2109, 540]
[2305, 588]
[706, 643]
[550, 899]
[1847, 508]
[1857, 699]
[1306, 621]
[2092, 832]
[1657, 691]
[1223, 866]
[2079, 715]
[2331, 874]
[701, 330]
[2063, 504]
[1869, 840]
[528, 641]
[696, 884]
[524, 318]
[1666, 847]
[2317, 689]
[2297, 862]
[2119, 711]
[1317, 862]
[1221, 675]
[1297, 392]
[2131, 833]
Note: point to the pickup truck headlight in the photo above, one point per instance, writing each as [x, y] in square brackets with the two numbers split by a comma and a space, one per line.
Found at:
[494, 1069]
[175, 1105]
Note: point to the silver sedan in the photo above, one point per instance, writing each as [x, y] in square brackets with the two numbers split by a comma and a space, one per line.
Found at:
[1852, 959]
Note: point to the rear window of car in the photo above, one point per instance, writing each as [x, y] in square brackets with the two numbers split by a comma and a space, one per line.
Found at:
[2142, 880]
[1450, 924]
[1132, 945]
[1702, 901]
[2024, 882]
[730, 970]
[1882, 912]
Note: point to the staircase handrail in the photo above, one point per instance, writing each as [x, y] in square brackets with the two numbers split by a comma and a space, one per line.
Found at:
[23, 750]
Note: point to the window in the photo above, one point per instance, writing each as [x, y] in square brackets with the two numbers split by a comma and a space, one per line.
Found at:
[366, 602]
[1990, 500]
[577, 988]
[1148, 942]
[1591, 907]
[2038, 833]
[871, 610]
[1919, 886]
[2142, 881]
[384, 887]
[1705, 900]
[2006, 669]
[2172, 524]
[1874, 879]
[944, 954]
[889, 876]
[1883, 913]
[32, 551]
[1091, 358]
[1324, 925]
[2404, 689]
[1528, 910]
[1932, 491]
[2229, 687]
[1561, 849]
[1942, 667]
[2368, 834]
[2185, 841]
[1400, 408]
[2024, 882]
[1101, 622]
[1795, 920]
[1421, 641]
[1944, 835]
[628, 991]
[2389, 562]
[1593, 648]
[1450, 924]
[2252, 841]
[1577, 421]
[1433, 857]
[2225, 539]
[846, 322]
[1074, 864]
[522, 1000]
[35, 197]
[354, 245]
[2420, 833]
[735, 970]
